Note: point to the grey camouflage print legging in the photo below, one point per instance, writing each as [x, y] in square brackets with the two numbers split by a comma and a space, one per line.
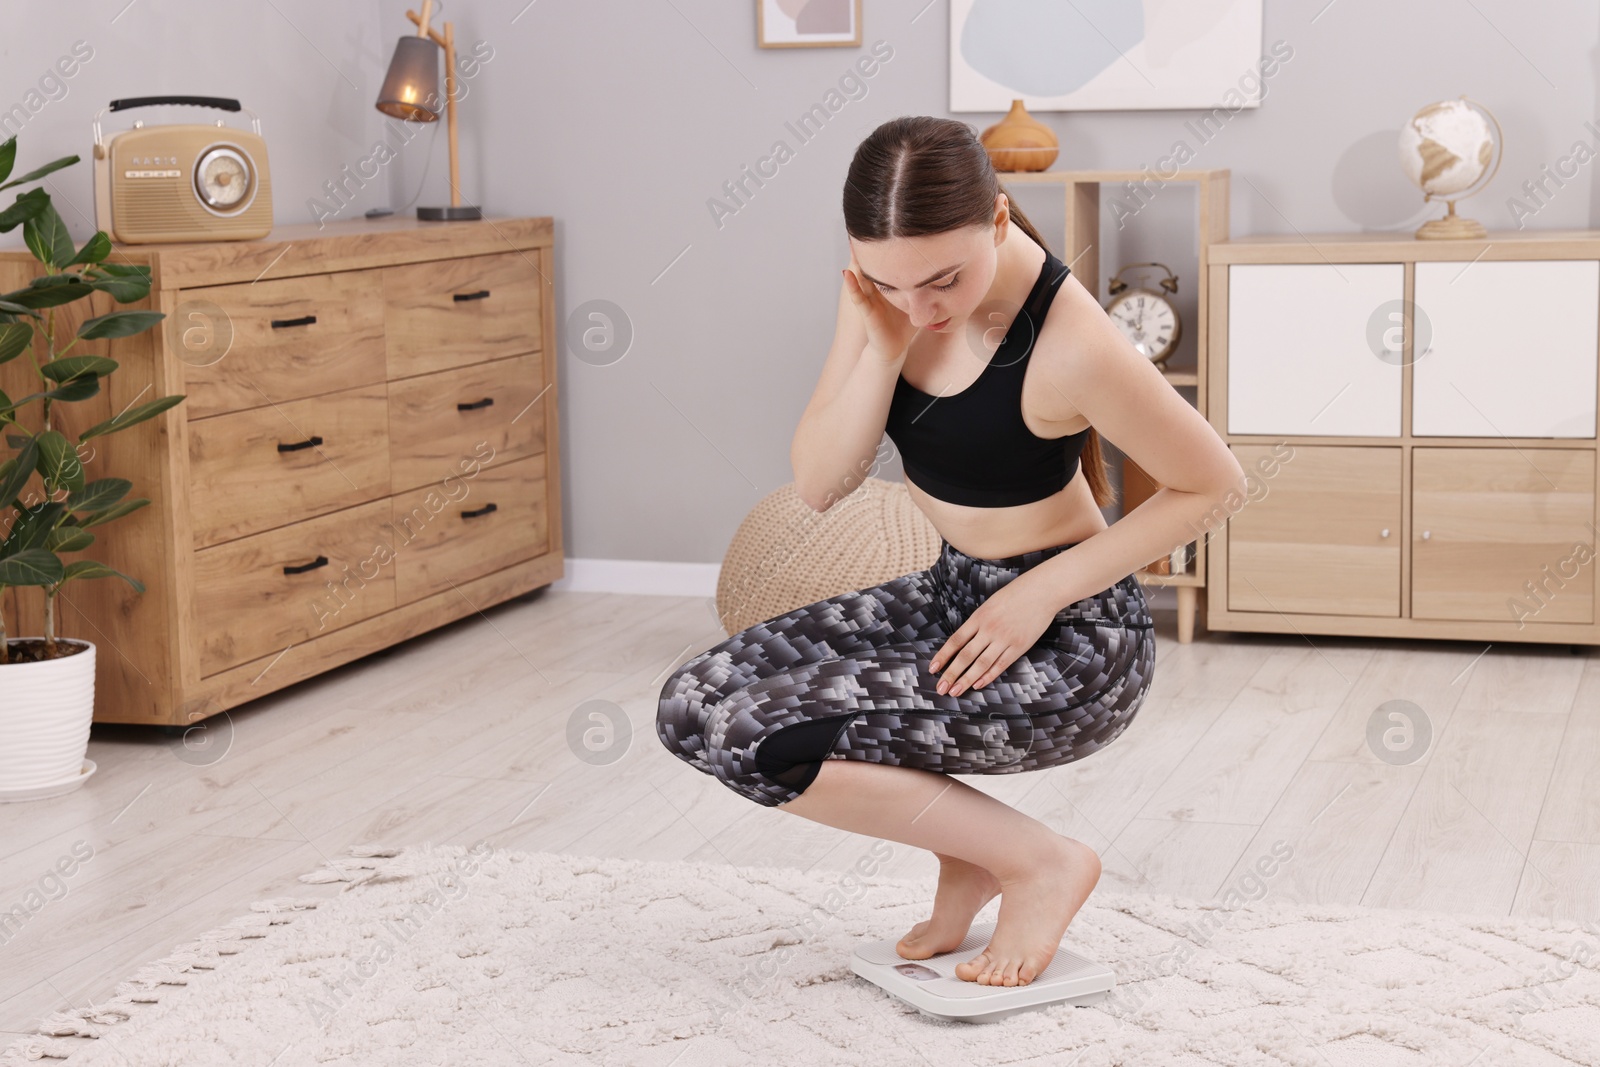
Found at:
[847, 678]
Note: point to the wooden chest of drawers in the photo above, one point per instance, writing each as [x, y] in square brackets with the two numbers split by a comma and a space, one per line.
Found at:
[367, 449]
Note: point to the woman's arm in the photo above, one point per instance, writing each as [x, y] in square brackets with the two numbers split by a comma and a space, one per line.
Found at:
[837, 438]
[1126, 399]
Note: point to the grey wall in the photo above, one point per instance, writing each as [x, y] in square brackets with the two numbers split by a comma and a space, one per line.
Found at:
[622, 120]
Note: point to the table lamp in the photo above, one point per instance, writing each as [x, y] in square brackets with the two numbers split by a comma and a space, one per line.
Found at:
[411, 91]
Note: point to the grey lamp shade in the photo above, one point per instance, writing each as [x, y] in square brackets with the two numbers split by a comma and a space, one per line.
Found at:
[411, 88]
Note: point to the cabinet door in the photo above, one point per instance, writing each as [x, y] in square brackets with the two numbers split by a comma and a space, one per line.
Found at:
[1513, 352]
[1300, 351]
[1320, 533]
[1502, 534]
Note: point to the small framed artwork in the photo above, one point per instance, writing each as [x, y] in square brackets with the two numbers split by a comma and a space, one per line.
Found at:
[808, 23]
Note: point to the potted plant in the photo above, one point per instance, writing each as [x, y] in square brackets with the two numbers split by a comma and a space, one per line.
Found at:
[48, 506]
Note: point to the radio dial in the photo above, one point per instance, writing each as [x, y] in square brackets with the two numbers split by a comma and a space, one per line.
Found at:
[222, 179]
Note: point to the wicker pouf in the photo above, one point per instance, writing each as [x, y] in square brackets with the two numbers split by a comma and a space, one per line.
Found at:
[785, 555]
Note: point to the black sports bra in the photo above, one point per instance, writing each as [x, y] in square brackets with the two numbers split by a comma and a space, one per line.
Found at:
[973, 447]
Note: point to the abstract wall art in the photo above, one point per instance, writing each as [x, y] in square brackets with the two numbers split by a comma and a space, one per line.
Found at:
[808, 23]
[1105, 55]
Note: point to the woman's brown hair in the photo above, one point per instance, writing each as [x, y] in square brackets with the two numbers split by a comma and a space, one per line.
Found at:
[918, 175]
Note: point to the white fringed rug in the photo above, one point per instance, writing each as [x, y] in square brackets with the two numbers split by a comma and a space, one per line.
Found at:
[430, 957]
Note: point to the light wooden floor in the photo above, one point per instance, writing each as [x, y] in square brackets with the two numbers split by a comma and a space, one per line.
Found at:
[461, 734]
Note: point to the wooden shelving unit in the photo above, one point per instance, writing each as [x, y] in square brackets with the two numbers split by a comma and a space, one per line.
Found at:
[1081, 252]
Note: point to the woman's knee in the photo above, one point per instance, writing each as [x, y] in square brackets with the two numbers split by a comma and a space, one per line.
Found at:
[679, 715]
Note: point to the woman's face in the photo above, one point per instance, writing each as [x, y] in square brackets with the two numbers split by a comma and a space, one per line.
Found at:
[936, 280]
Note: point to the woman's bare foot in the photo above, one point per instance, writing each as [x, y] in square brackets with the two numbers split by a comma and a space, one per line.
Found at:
[1035, 910]
[964, 888]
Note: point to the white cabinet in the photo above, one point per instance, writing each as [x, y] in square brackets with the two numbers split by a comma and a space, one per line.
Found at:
[1513, 348]
[1303, 348]
[1449, 494]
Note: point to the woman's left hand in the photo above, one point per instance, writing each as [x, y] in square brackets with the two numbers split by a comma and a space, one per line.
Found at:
[1002, 628]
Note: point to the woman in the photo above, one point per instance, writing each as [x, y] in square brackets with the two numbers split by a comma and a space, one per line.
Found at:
[1027, 644]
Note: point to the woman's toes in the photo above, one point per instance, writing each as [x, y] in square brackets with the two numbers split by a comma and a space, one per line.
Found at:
[974, 969]
[911, 945]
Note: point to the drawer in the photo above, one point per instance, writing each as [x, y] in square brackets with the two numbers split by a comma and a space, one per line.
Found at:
[436, 420]
[245, 346]
[258, 595]
[255, 470]
[467, 526]
[452, 312]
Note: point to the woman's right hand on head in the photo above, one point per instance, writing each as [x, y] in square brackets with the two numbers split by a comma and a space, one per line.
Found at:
[889, 330]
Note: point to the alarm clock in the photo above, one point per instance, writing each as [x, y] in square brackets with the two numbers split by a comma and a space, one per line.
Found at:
[195, 182]
[1146, 318]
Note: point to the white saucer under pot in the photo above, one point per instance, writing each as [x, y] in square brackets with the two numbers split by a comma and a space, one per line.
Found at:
[45, 716]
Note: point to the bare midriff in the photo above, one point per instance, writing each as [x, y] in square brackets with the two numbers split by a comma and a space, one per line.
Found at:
[1065, 517]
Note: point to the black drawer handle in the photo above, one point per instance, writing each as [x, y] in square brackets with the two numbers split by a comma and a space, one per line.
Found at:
[310, 442]
[303, 320]
[320, 561]
[476, 404]
[462, 298]
[481, 511]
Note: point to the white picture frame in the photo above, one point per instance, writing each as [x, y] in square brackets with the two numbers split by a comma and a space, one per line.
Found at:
[808, 23]
[1105, 55]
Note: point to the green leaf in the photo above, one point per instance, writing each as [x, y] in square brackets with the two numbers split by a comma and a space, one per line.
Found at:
[49, 168]
[50, 290]
[68, 539]
[98, 494]
[122, 290]
[59, 464]
[36, 566]
[9, 405]
[24, 208]
[14, 340]
[118, 324]
[20, 470]
[8, 157]
[32, 527]
[77, 389]
[124, 270]
[94, 250]
[88, 568]
[116, 511]
[70, 367]
[47, 238]
[131, 416]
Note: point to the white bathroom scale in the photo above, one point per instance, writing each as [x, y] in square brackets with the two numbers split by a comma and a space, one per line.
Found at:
[931, 985]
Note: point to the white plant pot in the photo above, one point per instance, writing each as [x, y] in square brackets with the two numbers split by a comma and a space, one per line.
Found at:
[45, 716]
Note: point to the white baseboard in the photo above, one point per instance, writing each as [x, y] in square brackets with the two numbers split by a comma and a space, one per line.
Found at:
[642, 576]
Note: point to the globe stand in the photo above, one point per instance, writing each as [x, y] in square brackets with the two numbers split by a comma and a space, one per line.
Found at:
[1452, 227]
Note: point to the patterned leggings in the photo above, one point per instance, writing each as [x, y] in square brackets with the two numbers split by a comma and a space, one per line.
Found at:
[847, 678]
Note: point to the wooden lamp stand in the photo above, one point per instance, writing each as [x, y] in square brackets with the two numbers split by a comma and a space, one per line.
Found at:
[456, 211]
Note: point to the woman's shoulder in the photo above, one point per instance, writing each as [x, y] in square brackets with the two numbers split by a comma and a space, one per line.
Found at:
[1061, 356]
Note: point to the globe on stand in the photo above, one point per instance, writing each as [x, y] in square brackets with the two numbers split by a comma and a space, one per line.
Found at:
[1445, 150]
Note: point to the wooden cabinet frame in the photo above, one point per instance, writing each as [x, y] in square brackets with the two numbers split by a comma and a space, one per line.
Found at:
[1386, 248]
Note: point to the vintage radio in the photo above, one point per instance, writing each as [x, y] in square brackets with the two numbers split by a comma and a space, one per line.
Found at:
[182, 182]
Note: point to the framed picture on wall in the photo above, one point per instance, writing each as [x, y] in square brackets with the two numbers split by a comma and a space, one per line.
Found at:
[808, 23]
[1105, 55]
